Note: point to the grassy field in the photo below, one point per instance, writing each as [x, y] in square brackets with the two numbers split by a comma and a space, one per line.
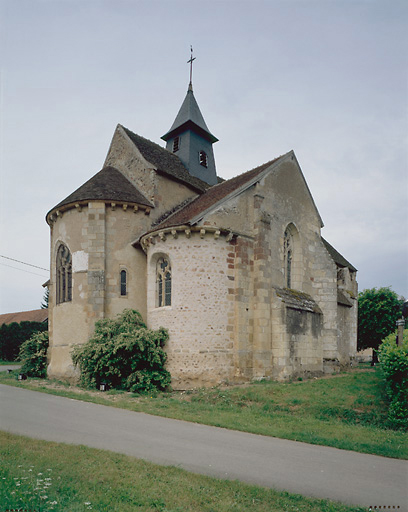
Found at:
[42, 476]
[344, 411]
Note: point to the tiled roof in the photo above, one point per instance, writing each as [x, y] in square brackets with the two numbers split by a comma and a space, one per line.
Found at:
[109, 185]
[337, 257]
[36, 315]
[212, 196]
[165, 162]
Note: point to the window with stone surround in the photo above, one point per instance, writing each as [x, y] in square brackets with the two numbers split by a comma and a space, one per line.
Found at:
[292, 258]
[163, 282]
[64, 275]
[123, 283]
[288, 250]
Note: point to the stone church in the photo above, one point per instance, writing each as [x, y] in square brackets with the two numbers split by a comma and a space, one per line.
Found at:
[236, 270]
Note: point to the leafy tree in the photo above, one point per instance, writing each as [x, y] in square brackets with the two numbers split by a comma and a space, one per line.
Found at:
[33, 355]
[378, 311]
[124, 354]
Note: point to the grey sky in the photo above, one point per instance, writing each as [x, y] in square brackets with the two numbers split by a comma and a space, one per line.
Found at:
[325, 78]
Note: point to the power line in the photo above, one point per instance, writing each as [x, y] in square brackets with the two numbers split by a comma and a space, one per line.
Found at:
[23, 263]
[22, 270]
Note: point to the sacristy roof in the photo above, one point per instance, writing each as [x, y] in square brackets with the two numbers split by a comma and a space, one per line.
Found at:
[337, 257]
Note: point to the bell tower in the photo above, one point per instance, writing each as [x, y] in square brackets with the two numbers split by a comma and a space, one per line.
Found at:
[190, 139]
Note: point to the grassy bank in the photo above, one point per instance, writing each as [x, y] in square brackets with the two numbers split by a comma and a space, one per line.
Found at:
[42, 476]
[344, 411]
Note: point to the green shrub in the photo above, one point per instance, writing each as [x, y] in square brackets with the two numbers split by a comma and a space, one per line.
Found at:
[33, 355]
[13, 335]
[394, 367]
[124, 354]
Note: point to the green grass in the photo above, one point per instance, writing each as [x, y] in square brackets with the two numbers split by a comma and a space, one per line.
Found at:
[344, 411]
[42, 476]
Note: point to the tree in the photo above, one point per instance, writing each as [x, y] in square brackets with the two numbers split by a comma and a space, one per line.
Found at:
[13, 335]
[378, 311]
[46, 298]
[394, 371]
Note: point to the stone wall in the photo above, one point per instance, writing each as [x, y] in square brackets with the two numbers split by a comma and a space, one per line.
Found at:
[200, 319]
[99, 237]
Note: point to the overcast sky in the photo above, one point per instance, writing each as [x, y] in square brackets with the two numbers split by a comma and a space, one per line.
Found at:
[325, 78]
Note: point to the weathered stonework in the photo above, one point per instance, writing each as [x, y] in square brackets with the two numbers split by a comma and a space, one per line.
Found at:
[256, 292]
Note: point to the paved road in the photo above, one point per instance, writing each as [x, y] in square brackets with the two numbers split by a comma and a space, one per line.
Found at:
[4, 368]
[310, 470]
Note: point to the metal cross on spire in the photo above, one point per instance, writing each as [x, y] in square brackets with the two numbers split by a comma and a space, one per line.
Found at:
[190, 61]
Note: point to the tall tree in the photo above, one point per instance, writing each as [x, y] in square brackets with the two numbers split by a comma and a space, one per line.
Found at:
[44, 303]
[378, 311]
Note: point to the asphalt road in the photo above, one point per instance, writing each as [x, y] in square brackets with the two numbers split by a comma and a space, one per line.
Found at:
[4, 368]
[310, 470]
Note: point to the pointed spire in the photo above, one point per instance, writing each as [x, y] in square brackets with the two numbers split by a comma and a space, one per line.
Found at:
[190, 138]
[190, 117]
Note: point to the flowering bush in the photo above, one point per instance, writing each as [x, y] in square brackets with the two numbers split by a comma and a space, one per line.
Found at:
[124, 354]
[394, 367]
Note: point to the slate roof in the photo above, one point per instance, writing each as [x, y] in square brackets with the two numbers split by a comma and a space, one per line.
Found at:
[337, 257]
[35, 315]
[211, 197]
[165, 162]
[107, 185]
[190, 117]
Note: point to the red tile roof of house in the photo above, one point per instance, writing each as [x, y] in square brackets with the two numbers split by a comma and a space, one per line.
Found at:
[35, 315]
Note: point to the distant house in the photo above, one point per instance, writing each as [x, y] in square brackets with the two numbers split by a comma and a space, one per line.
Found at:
[35, 315]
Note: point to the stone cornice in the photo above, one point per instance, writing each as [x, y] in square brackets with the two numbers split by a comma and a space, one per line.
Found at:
[113, 205]
[161, 235]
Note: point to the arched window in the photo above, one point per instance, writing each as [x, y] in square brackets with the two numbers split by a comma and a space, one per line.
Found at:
[288, 260]
[176, 144]
[163, 283]
[123, 283]
[64, 274]
[203, 159]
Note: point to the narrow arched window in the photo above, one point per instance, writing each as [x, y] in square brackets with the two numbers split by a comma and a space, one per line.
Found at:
[163, 283]
[123, 283]
[176, 144]
[64, 275]
[203, 159]
[288, 248]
